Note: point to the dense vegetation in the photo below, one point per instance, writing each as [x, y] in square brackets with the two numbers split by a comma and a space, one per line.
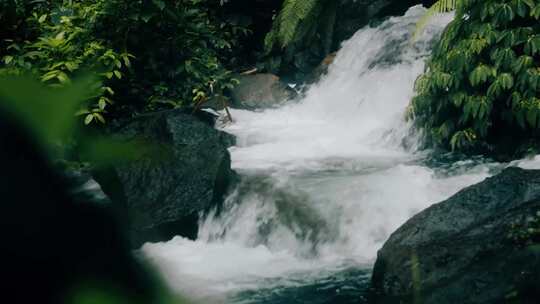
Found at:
[481, 88]
[145, 55]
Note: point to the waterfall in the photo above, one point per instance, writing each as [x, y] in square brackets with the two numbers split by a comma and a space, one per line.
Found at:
[325, 179]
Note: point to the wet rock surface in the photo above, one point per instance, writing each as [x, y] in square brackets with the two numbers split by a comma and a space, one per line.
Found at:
[260, 91]
[181, 170]
[475, 247]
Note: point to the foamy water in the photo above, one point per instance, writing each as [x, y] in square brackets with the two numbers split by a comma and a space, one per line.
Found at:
[325, 179]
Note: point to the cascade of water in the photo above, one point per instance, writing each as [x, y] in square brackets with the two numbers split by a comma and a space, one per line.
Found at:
[325, 179]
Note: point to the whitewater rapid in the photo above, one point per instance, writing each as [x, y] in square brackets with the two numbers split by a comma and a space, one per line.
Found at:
[325, 179]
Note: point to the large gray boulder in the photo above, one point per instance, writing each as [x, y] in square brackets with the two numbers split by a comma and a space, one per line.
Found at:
[479, 246]
[260, 91]
[182, 170]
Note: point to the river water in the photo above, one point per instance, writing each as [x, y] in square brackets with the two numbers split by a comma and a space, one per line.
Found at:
[325, 181]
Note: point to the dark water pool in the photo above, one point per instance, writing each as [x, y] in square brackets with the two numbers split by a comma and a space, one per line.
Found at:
[344, 287]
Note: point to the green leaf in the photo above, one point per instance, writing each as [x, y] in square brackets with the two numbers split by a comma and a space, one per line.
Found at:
[442, 80]
[99, 117]
[532, 117]
[160, 4]
[478, 45]
[475, 106]
[82, 112]
[47, 113]
[102, 104]
[454, 142]
[535, 12]
[292, 15]
[480, 75]
[458, 99]
[529, 3]
[506, 81]
[48, 76]
[71, 66]
[127, 62]
[521, 8]
[42, 18]
[118, 74]
[494, 90]
[109, 90]
[487, 11]
[503, 57]
[88, 119]
[522, 63]
[63, 78]
[146, 16]
[8, 59]
[505, 13]
[532, 47]
[533, 77]
[60, 36]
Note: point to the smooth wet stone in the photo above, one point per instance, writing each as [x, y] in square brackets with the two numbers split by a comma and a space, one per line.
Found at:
[260, 91]
[464, 250]
[184, 170]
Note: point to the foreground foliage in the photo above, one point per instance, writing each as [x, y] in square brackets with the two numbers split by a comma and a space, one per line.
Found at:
[482, 84]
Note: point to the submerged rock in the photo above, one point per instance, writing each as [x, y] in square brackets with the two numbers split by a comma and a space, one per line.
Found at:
[479, 246]
[182, 169]
[260, 91]
[286, 207]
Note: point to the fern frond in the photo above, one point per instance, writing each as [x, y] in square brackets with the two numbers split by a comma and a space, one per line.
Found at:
[294, 11]
[292, 15]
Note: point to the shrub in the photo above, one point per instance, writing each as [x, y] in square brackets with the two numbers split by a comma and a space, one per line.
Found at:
[482, 83]
[65, 47]
[145, 54]
[182, 48]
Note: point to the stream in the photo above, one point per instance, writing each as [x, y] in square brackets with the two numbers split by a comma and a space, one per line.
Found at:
[324, 182]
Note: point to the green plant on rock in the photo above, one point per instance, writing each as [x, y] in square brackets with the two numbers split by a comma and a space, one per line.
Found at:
[482, 83]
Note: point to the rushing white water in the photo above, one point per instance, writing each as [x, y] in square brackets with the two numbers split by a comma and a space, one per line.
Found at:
[325, 179]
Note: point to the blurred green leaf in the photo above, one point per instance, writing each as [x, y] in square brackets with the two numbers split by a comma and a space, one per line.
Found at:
[46, 112]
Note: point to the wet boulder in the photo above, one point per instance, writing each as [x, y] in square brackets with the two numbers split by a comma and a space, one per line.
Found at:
[286, 207]
[182, 168]
[260, 91]
[480, 246]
